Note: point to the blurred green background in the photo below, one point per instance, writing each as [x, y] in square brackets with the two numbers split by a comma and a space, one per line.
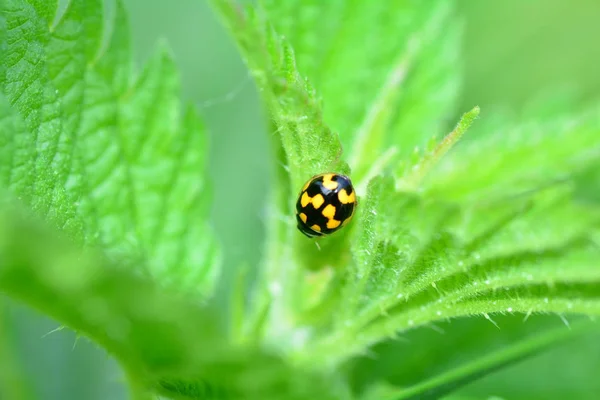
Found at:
[515, 51]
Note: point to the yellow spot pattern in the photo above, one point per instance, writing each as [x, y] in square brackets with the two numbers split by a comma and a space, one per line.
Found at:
[328, 182]
[333, 223]
[317, 201]
[305, 199]
[302, 217]
[329, 211]
[344, 198]
[316, 228]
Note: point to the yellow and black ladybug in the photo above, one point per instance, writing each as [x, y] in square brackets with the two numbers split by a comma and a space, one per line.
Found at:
[326, 203]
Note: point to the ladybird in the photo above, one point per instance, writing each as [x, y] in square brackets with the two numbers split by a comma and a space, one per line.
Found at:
[325, 204]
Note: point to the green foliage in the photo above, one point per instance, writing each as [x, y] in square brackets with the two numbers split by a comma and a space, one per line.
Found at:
[167, 344]
[113, 161]
[477, 347]
[508, 222]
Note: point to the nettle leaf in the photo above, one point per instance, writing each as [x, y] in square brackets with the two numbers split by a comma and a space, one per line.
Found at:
[389, 76]
[499, 225]
[113, 160]
[430, 371]
[534, 254]
[496, 226]
[167, 344]
[519, 157]
[304, 145]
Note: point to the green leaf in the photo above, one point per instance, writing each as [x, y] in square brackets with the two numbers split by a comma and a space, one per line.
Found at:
[388, 76]
[88, 294]
[494, 227]
[415, 176]
[303, 145]
[539, 377]
[302, 141]
[533, 255]
[444, 365]
[502, 224]
[168, 344]
[309, 146]
[115, 161]
[515, 158]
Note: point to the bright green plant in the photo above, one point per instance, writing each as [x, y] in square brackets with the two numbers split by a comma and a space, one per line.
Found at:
[506, 222]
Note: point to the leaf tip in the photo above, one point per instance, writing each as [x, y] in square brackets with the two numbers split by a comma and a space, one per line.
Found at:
[466, 121]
